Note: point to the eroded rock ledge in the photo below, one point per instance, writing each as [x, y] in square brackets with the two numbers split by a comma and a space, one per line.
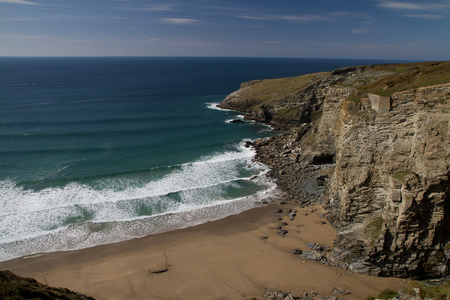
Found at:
[372, 143]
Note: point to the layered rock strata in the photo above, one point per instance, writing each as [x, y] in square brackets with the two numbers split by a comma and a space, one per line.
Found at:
[377, 139]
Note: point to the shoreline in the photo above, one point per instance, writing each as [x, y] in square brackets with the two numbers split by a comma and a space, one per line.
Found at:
[238, 257]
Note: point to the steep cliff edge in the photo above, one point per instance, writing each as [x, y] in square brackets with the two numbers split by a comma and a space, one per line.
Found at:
[386, 128]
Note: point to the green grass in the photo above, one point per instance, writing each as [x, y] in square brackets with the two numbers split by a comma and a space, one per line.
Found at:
[408, 76]
[386, 294]
[401, 176]
[274, 89]
[373, 230]
[436, 292]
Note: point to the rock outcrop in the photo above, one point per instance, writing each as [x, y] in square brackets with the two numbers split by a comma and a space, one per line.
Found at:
[378, 139]
[16, 287]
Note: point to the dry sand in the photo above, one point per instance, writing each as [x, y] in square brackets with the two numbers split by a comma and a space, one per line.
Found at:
[225, 259]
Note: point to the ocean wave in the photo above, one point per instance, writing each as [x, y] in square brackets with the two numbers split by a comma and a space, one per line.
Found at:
[85, 212]
[214, 106]
[89, 234]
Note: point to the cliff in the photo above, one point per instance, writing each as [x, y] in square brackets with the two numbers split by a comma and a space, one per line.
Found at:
[377, 138]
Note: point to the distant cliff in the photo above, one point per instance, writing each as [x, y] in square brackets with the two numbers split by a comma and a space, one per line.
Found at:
[384, 133]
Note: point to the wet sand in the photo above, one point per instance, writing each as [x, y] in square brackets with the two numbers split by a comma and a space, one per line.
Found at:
[224, 259]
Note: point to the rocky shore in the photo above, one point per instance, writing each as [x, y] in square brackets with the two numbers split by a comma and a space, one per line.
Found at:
[372, 144]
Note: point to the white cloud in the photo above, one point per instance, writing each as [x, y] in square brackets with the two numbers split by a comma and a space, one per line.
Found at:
[179, 21]
[19, 2]
[402, 5]
[161, 7]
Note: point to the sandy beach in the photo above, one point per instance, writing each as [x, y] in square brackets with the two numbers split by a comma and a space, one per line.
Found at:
[238, 257]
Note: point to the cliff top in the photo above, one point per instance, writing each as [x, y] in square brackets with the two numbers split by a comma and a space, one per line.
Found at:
[383, 80]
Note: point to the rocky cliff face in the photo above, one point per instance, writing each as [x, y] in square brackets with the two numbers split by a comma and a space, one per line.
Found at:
[390, 192]
[387, 130]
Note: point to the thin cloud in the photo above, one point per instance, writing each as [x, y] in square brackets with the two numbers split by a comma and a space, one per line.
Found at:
[161, 7]
[414, 6]
[257, 18]
[179, 21]
[304, 18]
[402, 5]
[289, 18]
[424, 16]
[19, 2]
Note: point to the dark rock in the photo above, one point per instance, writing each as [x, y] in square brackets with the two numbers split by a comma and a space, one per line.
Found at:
[279, 295]
[316, 247]
[282, 232]
[296, 251]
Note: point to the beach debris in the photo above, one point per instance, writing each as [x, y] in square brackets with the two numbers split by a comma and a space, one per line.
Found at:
[159, 271]
[264, 237]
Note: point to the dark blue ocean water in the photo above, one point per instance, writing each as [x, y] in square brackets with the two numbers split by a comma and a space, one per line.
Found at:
[99, 150]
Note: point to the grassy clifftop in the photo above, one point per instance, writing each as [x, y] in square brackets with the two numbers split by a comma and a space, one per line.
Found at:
[265, 99]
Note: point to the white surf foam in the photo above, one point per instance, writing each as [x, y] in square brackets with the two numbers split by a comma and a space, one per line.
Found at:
[215, 107]
[77, 216]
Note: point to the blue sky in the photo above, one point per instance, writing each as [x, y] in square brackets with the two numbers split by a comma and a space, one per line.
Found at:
[384, 29]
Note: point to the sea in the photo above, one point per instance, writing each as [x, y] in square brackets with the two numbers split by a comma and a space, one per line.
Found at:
[101, 150]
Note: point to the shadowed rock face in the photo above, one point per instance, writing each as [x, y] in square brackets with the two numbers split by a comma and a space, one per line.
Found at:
[17, 288]
[387, 130]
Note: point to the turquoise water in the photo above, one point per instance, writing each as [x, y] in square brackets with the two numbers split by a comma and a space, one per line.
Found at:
[100, 150]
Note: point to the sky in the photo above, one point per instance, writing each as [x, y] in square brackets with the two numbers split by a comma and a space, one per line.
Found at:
[356, 29]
